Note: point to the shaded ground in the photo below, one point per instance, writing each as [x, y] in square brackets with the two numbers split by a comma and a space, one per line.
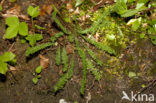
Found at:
[19, 88]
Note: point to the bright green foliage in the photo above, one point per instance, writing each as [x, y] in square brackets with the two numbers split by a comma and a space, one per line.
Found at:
[58, 56]
[38, 69]
[57, 20]
[35, 80]
[33, 12]
[64, 78]
[153, 39]
[56, 36]
[64, 59]
[3, 68]
[93, 55]
[132, 12]
[6, 57]
[121, 7]
[142, 35]
[101, 46]
[33, 38]
[39, 27]
[135, 23]
[94, 71]
[23, 29]
[14, 27]
[100, 22]
[38, 48]
[1, 8]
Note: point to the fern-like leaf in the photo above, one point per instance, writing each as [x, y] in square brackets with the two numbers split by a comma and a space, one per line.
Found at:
[94, 71]
[101, 46]
[64, 78]
[93, 55]
[56, 36]
[57, 20]
[37, 48]
[58, 56]
[84, 67]
[64, 60]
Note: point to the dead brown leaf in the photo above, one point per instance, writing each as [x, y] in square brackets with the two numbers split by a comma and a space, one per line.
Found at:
[69, 49]
[46, 9]
[44, 62]
[15, 11]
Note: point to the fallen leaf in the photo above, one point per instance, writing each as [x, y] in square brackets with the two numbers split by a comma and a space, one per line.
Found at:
[46, 9]
[12, 68]
[44, 62]
[15, 11]
[69, 49]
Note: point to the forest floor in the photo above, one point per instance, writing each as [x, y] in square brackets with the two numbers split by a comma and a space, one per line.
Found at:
[19, 88]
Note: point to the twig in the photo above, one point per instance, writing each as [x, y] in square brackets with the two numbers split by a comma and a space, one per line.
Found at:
[149, 85]
[11, 47]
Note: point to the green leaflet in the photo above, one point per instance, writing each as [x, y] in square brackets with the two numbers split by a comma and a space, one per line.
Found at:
[12, 21]
[23, 29]
[33, 38]
[3, 68]
[58, 56]
[14, 27]
[64, 59]
[101, 46]
[65, 77]
[33, 12]
[11, 32]
[93, 55]
[38, 69]
[56, 36]
[94, 71]
[37, 48]
[35, 80]
[6, 57]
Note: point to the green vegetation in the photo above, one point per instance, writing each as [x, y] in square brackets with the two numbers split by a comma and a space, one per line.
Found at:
[33, 12]
[64, 78]
[4, 60]
[15, 27]
[1, 8]
[107, 31]
[33, 38]
[37, 74]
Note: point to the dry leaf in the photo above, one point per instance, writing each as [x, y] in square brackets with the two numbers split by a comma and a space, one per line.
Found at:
[46, 9]
[12, 68]
[44, 62]
[69, 49]
[15, 11]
